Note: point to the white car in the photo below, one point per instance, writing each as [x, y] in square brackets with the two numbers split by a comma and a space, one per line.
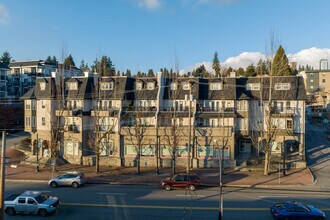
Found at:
[74, 179]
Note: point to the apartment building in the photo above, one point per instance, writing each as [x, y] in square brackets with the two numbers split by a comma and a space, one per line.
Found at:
[3, 82]
[168, 120]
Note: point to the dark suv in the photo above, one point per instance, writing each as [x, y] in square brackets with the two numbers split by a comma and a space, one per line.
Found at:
[186, 181]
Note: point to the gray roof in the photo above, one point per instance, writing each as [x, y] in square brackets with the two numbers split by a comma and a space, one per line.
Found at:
[85, 88]
[297, 88]
[201, 88]
[37, 93]
[29, 63]
[146, 94]
[123, 88]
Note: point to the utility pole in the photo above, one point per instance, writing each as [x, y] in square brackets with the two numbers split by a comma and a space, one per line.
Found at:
[37, 168]
[220, 181]
[189, 135]
[3, 164]
[284, 152]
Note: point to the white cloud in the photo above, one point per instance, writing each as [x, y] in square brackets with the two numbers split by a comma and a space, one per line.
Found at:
[311, 57]
[150, 4]
[4, 15]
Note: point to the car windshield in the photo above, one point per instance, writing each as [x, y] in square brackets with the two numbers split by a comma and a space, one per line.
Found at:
[42, 197]
[305, 207]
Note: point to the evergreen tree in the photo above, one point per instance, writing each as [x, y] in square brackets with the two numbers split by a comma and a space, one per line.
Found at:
[166, 72]
[250, 71]
[261, 68]
[280, 65]
[150, 73]
[104, 66]
[139, 74]
[54, 60]
[240, 72]
[84, 66]
[128, 72]
[200, 71]
[229, 70]
[68, 62]
[5, 58]
[49, 59]
[216, 65]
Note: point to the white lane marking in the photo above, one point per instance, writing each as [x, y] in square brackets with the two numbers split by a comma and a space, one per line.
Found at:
[113, 194]
[190, 195]
[273, 196]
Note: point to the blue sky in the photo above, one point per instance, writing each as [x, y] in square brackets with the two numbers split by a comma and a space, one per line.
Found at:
[143, 34]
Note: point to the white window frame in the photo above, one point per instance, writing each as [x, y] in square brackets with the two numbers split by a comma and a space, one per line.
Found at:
[72, 85]
[27, 121]
[139, 86]
[216, 86]
[150, 86]
[174, 86]
[106, 86]
[282, 86]
[186, 86]
[42, 86]
[253, 86]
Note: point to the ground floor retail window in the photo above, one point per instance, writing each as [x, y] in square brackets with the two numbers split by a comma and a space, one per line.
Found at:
[179, 151]
[146, 150]
[71, 147]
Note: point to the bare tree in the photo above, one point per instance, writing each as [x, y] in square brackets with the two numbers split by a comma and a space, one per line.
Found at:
[104, 128]
[136, 134]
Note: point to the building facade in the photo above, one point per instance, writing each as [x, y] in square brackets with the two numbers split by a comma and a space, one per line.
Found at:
[165, 121]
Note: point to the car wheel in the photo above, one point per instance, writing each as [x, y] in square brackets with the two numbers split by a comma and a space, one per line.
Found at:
[75, 185]
[42, 212]
[10, 211]
[192, 188]
[53, 184]
[167, 187]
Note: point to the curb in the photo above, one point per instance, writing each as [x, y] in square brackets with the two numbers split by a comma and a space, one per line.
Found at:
[313, 175]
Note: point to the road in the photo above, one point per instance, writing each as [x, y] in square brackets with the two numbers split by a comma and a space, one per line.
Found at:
[318, 154]
[146, 202]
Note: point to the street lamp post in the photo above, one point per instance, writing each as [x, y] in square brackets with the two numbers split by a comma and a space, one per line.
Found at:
[2, 174]
[38, 147]
[284, 153]
[189, 135]
[220, 182]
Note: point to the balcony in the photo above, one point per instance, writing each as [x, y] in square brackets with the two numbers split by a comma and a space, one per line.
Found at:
[138, 111]
[72, 128]
[70, 112]
[282, 112]
[203, 112]
[105, 112]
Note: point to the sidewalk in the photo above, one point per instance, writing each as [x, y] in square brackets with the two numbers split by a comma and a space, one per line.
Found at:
[148, 176]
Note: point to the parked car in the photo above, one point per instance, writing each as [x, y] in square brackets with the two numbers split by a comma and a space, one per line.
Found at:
[74, 179]
[31, 202]
[328, 138]
[296, 210]
[186, 181]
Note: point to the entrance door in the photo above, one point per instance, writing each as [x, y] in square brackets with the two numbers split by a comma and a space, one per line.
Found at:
[245, 146]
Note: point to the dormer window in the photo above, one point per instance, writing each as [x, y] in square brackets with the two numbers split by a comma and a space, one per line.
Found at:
[106, 86]
[174, 86]
[282, 86]
[139, 86]
[186, 86]
[42, 86]
[72, 86]
[151, 86]
[253, 86]
[216, 86]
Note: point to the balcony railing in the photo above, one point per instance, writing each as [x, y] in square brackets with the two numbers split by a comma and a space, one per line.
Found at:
[282, 112]
[72, 128]
[140, 109]
[210, 109]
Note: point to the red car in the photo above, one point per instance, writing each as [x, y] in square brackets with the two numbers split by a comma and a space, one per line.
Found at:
[185, 181]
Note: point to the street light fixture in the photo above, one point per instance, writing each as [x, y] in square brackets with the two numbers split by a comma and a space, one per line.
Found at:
[220, 181]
